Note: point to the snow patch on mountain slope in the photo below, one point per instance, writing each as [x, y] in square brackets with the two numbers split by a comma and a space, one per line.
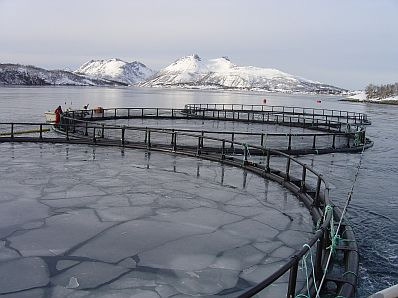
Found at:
[117, 70]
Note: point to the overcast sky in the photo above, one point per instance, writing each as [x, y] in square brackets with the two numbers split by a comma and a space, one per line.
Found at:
[348, 43]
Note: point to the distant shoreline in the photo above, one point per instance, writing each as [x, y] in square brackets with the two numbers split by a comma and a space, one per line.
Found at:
[387, 102]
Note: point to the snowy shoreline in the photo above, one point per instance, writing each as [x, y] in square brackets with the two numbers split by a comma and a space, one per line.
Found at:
[361, 97]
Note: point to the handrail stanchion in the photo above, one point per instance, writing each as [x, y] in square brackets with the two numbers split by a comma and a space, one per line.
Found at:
[302, 182]
[148, 132]
[291, 292]
[223, 150]
[67, 132]
[245, 154]
[318, 259]
[317, 192]
[198, 149]
[94, 138]
[287, 178]
[12, 130]
[267, 167]
[41, 132]
[123, 132]
[175, 141]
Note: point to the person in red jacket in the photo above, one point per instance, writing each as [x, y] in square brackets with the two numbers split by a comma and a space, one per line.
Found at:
[58, 112]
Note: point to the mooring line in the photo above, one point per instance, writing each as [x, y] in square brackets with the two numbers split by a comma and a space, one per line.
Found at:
[336, 234]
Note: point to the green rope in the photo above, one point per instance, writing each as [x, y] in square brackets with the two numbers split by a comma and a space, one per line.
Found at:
[305, 267]
[357, 139]
[334, 237]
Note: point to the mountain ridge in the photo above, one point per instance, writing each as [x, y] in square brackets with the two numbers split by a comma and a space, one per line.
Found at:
[190, 71]
[18, 74]
[116, 69]
[194, 72]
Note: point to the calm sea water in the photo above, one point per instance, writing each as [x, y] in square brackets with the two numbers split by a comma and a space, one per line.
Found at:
[373, 212]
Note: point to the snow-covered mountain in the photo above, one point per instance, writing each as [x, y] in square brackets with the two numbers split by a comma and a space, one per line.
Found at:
[116, 70]
[16, 74]
[193, 72]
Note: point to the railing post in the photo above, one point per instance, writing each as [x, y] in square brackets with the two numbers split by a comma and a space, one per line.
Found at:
[103, 131]
[123, 132]
[172, 137]
[86, 130]
[363, 136]
[223, 150]
[348, 140]
[67, 132]
[334, 141]
[262, 139]
[267, 167]
[175, 141]
[172, 113]
[317, 192]
[291, 292]
[12, 130]
[198, 149]
[128, 113]
[289, 147]
[245, 154]
[287, 178]
[94, 137]
[41, 132]
[142, 112]
[314, 142]
[148, 133]
[232, 140]
[115, 113]
[303, 176]
[318, 260]
[157, 113]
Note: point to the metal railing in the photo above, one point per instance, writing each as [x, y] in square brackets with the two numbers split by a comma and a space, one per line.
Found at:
[359, 118]
[338, 136]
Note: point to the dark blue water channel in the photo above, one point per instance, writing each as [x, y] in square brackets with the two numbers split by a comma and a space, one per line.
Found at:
[373, 212]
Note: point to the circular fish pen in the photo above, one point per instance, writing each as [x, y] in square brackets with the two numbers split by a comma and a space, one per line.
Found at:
[263, 154]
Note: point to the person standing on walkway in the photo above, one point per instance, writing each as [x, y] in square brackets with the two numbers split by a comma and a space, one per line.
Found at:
[58, 111]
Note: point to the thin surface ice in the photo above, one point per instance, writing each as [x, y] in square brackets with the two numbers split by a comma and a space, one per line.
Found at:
[101, 222]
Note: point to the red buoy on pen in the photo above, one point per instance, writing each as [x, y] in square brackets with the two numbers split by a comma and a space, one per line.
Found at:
[319, 101]
[264, 100]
